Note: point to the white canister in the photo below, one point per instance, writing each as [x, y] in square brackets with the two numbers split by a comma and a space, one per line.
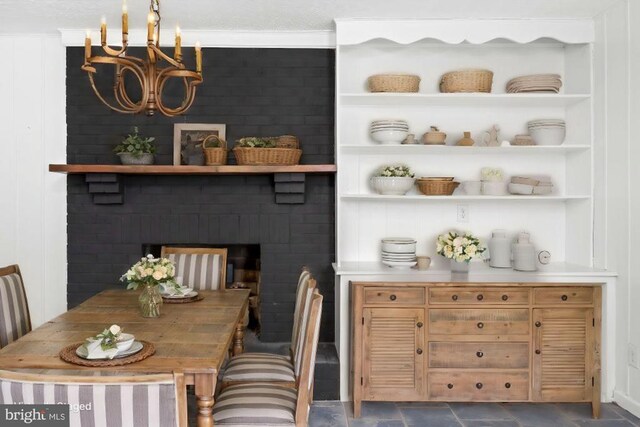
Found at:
[499, 250]
[524, 254]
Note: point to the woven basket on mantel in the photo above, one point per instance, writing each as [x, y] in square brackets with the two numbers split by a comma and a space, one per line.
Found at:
[285, 153]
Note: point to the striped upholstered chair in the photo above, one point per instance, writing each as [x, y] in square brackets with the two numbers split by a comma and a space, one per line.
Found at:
[14, 310]
[200, 268]
[140, 401]
[270, 367]
[269, 404]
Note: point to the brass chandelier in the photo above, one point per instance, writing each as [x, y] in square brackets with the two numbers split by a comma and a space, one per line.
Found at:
[149, 75]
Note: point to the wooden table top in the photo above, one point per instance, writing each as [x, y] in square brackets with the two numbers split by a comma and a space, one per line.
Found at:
[192, 337]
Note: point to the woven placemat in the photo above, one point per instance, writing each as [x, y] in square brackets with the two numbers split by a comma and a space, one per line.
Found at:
[182, 300]
[68, 354]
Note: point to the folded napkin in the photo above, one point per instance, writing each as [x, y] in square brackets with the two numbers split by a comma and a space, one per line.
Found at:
[95, 351]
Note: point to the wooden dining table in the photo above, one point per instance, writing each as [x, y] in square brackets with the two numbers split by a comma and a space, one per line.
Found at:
[193, 338]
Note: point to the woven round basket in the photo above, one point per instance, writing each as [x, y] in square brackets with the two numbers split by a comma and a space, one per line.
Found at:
[267, 156]
[287, 141]
[437, 188]
[466, 81]
[182, 300]
[68, 354]
[393, 83]
[215, 155]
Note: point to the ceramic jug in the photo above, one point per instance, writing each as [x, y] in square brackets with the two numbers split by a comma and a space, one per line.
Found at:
[524, 254]
[499, 250]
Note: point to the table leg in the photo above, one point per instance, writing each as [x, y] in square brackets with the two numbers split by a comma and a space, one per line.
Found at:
[238, 339]
[205, 388]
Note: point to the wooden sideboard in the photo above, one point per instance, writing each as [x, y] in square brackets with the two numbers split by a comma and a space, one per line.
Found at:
[476, 342]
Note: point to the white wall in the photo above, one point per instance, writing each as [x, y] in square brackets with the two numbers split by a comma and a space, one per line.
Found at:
[618, 99]
[33, 226]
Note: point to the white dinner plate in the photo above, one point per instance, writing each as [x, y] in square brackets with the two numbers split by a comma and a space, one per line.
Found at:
[189, 295]
[135, 347]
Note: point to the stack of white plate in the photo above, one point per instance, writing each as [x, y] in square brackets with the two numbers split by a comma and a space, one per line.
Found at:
[399, 252]
[547, 131]
[389, 131]
[535, 83]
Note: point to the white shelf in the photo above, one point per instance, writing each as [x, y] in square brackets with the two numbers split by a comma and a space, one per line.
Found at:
[454, 150]
[455, 198]
[463, 99]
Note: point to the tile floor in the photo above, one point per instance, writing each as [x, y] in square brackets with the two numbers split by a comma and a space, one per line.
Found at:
[382, 414]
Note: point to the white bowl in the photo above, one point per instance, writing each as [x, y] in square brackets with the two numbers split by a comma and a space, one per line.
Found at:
[124, 342]
[391, 185]
[494, 188]
[399, 248]
[389, 136]
[548, 135]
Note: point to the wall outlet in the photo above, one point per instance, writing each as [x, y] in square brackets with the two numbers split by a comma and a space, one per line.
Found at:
[632, 356]
[463, 213]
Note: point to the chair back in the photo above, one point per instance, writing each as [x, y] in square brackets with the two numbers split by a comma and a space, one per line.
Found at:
[304, 283]
[311, 335]
[304, 321]
[15, 320]
[200, 268]
[141, 401]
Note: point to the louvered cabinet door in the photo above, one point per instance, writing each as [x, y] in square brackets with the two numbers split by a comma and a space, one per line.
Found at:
[564, 347]
[393, 354]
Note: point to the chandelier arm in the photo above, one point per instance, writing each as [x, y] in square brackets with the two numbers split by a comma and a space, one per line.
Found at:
[120, 91]
[113, 52]
[190, 79]
[105, 102]
[126, 65]
[167, 58]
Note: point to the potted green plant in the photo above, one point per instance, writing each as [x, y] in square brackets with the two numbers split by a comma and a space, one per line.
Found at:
[136, 149]
[393, 180]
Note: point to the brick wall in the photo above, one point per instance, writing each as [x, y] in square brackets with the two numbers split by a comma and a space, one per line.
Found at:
[253, 92]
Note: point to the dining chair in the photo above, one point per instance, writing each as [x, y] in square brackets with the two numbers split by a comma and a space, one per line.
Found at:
[133, 400]
[15, 320]
[271, 367]
[267, 404]
[200, 268]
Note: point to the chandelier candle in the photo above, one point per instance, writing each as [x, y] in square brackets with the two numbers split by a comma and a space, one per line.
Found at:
[150, 77]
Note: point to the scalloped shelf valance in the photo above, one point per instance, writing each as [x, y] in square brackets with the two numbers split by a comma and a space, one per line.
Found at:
[455, 31]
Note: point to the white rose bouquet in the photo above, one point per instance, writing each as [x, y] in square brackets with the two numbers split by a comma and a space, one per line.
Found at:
[461, 248]
[150, 271]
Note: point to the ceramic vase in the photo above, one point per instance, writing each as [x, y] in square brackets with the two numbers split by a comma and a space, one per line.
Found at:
[150, 301]
[459, 267]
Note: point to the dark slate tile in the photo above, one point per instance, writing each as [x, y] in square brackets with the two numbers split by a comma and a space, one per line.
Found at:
[490, 423]
[626, 414]
[480, 411]
[422, 404]
[375, 410]
[537, 415]
[604, 423]
[429, 417]
[327, 414]
[361, 422]
[582, 411]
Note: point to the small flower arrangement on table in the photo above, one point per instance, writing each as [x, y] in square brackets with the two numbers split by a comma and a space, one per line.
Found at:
[459, 248]
[151, 272]
[109, 337]
[393, 180]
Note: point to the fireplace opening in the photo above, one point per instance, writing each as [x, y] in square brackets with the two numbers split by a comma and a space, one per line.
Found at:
[243, 271]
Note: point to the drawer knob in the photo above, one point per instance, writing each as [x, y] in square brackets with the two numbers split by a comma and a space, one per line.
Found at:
[419, 324]
[537, 351]
[480, 325]
[507, 385]
[454, 297]
[480, 297]
[419, 351]
[479, 354]
[564, 297]
[478, 386]
[449, 386]
[392, 297]
[538, 324]
[505, 297]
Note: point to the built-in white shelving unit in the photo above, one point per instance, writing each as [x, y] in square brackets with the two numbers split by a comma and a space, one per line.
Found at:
[561, 222]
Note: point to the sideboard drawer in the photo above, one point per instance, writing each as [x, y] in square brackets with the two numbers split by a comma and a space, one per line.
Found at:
[413, 296]
[478, 296]
[455, 321]
[563, 296]
[479, 355]
[478, 386]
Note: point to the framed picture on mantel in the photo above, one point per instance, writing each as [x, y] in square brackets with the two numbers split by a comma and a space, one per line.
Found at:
[187, 141]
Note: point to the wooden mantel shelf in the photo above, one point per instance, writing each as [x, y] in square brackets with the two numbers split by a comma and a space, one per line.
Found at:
[189, 170]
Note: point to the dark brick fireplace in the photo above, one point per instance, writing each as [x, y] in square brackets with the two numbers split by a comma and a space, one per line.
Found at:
[253, 92]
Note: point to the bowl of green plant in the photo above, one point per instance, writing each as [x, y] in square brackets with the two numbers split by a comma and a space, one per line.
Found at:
[393, 180]
[136, 149]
